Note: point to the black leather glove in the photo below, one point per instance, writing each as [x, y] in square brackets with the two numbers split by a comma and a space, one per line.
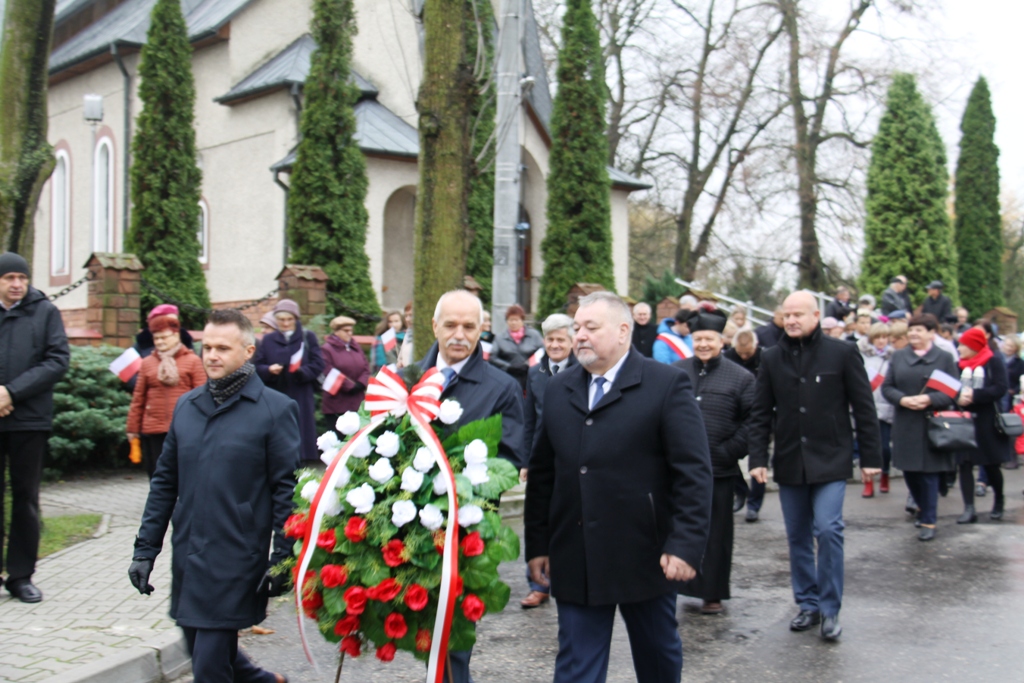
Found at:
[273, 585]
[139, 573]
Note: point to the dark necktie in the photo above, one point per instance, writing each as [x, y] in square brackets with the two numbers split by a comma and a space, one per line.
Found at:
[554, 369]
[449, 374]
[598, 391]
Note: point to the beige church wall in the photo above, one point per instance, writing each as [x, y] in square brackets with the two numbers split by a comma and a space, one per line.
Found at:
[263, 29]
[387, 52]
[388, 177]
[620, 240]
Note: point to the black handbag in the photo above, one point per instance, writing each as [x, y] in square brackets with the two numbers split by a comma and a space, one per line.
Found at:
[1009, 424]
[951, 430]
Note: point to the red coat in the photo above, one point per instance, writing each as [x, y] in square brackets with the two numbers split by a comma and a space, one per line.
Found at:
[153, 401]
[350, 360]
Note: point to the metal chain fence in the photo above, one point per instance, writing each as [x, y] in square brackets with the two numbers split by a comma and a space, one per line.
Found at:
[72, 287]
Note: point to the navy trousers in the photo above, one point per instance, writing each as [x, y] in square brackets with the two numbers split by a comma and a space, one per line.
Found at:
[217, 659]
[585, 636]
[924, 487]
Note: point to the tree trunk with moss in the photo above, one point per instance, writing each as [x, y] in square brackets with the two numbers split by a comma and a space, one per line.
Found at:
[445, 107]
[480, 258]
[26, 159]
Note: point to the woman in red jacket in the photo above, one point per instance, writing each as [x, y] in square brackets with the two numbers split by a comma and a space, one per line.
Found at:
[170, 372]
[343, 353]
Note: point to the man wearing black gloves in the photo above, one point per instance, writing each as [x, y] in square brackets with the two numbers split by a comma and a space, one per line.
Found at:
[226, 474]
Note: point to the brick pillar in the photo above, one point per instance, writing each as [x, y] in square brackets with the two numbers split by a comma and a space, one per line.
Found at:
[114, 297]
[306, 286]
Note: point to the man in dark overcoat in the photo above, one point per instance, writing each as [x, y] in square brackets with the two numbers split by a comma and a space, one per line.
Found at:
[937, 303]
[480, 388]
[806, 388]
[225, 478]
[618, 499]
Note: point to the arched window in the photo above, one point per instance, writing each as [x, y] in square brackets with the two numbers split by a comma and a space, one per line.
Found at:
[60, 215]
[103, 197]
[203, 232]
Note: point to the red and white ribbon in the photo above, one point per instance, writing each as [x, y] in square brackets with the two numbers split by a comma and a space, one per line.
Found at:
[386, 395]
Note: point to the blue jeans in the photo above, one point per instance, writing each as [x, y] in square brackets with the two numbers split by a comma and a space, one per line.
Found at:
[924, 487]
[753, 493]
[815, 511]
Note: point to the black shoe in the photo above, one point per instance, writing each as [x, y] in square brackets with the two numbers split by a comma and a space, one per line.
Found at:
[738, 502]
[970, 516]
[805, 620]
[751, 515]
[24, 590]
[980, 491]
[830, 628]
[911, 506]
[926, 533]
[997, 513]
[917, 524]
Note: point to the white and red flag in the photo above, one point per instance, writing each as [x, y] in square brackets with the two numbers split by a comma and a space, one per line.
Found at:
[486, 347]
[127, 364]
[296, 360]
[535, 358]
[676, 344]
[389, 339]
[333, 381]
[947, 384]
[876, 376]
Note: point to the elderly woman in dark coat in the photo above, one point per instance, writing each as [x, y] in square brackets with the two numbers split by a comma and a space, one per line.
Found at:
[344, 354]
[984, 401]
[514, 346]
[904, 387]
[273, 361]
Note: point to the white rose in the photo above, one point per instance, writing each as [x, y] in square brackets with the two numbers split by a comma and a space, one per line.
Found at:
[361, 499]
[431, 517]
[328, 441]
[411, 480]
[349, 423]
[470, 515]
[381, 471]
[344, 477]
[403, 512]
[477, 474]
[476, 452]
[309, 489]
[331, 504]
[423, 461]
[327, 457]
[440, 485]
[451, 411]
[362, 448]
[387, 444]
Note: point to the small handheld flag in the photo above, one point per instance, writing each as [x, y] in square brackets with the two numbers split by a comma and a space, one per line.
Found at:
[940, 381]
[389, 339]
[127, 364]
[876, 377]
[486, 347]
[333, 381]
[296, 360]
[535, 358]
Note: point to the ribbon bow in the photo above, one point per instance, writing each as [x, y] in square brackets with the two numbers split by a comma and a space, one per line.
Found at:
[386, 393]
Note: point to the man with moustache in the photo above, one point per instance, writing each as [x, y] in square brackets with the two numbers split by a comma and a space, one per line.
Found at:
[480, 388]
[618, 499]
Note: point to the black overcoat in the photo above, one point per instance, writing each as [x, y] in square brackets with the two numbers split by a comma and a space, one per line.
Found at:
[536, 384]
[227, 474]
[941, 307]
[483, 390]
[810, 385]
[300, 386]
[993, 448]
[613, 488]
[907, 376]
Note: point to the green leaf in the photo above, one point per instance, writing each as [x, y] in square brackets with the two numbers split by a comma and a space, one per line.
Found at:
[463, 633]
[477, 572]
[334, 600]
[375, 571]
[495, 597]
[502, 475]
[505, 547]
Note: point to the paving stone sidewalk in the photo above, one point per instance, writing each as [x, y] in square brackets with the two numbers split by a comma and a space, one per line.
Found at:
[89, 609]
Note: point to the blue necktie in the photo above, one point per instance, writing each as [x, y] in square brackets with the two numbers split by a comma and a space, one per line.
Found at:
[598, 392]
[449, 374]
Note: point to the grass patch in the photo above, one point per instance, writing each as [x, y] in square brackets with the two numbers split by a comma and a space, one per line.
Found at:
[57, 533]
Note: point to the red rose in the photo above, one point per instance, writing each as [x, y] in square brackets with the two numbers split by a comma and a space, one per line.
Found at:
[310, 574]
[423, 640]
[416, 597]
[395, 626]
[326, 540]
[333, 575]
[458, 586]
[351, 646]
[295, 526]
[355, 529]
[385, 591]
[473, 545]
[386, 652]
[439, 541]
[473, 607]
[393, 553]
[346, 626]
[355, 600]
[311, 603]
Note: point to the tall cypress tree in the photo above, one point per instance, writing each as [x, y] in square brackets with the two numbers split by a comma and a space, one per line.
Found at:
[326, 204]
[165, 187]
[578, 244]
[979, 240]
[480, 258]
[907, 229]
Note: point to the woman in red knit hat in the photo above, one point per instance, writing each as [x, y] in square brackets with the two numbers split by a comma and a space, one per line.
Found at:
[989, 385]
[170, 372]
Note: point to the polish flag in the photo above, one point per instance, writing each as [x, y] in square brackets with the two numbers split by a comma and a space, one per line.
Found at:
[676, 344]
[486, 346]
[389, 339]
[947, 384]
[296, 361]
[127, 364]
[332, 383]
[535, 358]
[876, 377]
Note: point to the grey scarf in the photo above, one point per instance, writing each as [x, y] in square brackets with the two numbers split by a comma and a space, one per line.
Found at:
[224, 388]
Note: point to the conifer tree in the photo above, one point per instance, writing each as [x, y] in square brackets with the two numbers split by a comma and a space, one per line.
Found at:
[907, 230]
[165, 180]
[480, 259]
[979, 240]
[578, 244]
[327, 214]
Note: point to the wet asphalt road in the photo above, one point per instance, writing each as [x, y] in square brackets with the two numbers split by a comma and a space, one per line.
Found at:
[948, 610]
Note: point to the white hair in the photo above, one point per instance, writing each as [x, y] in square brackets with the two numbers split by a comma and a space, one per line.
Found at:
[689, 300]
[643, 304]
[440, 302]
[614, 304]
[558, 321]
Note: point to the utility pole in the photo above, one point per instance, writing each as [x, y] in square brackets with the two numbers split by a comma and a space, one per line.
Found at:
[507, 162]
